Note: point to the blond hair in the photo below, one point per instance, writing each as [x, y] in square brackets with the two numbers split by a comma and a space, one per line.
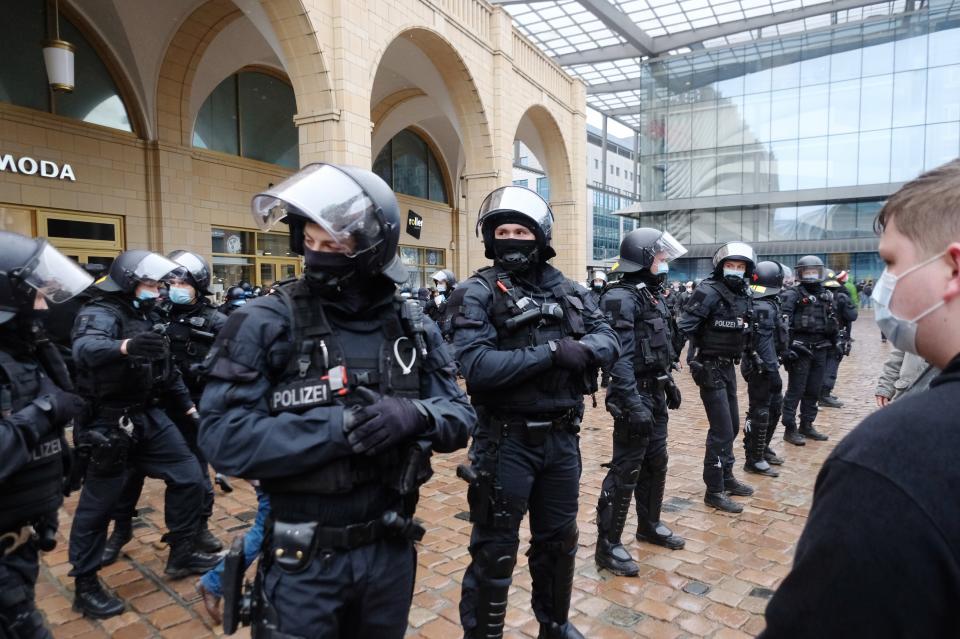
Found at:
[927, 209]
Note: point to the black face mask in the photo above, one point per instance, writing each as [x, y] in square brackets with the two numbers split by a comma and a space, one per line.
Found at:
[598, 287]
[328, 268]
[515, 255]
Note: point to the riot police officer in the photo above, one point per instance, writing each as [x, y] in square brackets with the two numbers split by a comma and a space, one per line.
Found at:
[761, 370]
[192, 324]
[445, 283]
[716, 320]
[641, 390]
[811, 311]
[35, 405]
[124, 368]
[332, 392]
[847, 314]
[596, 285]
[528, 341]
[235, 298]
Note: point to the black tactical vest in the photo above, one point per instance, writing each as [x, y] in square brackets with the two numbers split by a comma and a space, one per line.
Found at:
[725, 331]
[35, 489]
[191, 337]
[320, 372]
[815, 314]
[653, 351]
[127, 381]
[562, 311]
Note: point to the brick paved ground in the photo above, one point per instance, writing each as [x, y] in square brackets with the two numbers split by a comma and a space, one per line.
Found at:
[718, 586]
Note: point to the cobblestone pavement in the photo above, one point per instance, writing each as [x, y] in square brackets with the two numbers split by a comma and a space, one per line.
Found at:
[718, 586]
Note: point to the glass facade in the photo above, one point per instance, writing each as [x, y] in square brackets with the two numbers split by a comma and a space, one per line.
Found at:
[608, 228]
[409, 166]
[867, 103]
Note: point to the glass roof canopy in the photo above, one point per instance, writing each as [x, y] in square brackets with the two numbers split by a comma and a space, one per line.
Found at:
[603, 42]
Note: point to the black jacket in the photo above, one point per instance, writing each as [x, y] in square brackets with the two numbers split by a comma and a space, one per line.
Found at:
[880, 554]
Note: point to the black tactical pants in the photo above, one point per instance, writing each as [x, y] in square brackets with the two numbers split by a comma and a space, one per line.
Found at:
[126, 508]
[364, 593]
[718, 390]
[803, 387]
[545, 480]
[830, 370]
[19, 617]
[765, 393]
[649, 456]
[161, 453]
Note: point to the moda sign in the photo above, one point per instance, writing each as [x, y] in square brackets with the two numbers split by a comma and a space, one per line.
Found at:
[44, 168]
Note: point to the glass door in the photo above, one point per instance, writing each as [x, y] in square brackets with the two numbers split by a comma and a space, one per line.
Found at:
[274, 270]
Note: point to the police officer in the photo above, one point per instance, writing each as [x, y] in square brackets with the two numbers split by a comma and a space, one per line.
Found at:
[811, 311]
[332, 393]
[235, 298]
[847, 314]
[35, 405]
[192, 324]
[124, 368]
[445, 283]
[762, 370]
[716, 320]
[638, 398]
[596, 285]
[528, 341]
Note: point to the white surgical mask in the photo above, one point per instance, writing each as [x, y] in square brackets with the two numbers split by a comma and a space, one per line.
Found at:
[662, 268]
[732, 272]
[901, 332]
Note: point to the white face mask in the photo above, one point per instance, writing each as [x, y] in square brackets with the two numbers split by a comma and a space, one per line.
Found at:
[902, 333]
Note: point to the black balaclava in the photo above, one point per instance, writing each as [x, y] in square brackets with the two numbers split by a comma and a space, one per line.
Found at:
[652, 280]
[516, 256]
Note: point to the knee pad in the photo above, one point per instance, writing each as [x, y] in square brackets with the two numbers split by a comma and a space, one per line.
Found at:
[498, 559]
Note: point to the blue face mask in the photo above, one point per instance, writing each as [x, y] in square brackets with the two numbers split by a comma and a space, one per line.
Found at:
[663, 268]
[180, 295]
[732, 272]
[145, 300]
[238, 302]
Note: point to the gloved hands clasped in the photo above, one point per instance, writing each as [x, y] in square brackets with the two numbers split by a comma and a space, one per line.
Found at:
[572, 355]
[382, 422]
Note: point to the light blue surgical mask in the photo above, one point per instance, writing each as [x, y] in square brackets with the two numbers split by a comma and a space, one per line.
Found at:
[145, 300]
[238, 302]
[180, 295]
[732, 272]
[663, 268]
[901, 332]
[145, 295]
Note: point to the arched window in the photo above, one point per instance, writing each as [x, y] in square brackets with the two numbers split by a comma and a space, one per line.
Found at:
[409, 166]
[250, 114]
[23, 77]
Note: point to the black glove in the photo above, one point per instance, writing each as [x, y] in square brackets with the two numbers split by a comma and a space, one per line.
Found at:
[149, 345]
[61, 406]
[383, 423]
[672, 392]
[696, 371]
[641, 421]
[572, 355]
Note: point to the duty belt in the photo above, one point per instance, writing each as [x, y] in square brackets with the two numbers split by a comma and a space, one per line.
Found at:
[722, 359]
[653, 383]
[534, 427]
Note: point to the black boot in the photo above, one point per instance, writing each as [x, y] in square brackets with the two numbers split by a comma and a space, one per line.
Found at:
[186, 560]
[736, 487]
[659, 534]
[829, 401]
[120, 537]
[553, 630]
[755, 443]
[809, 432]
[205, 541]
[615, 558]
[92, 600]
[791, 436]
[772, 457]
[722, 502]
[611, 517]
[761, 467]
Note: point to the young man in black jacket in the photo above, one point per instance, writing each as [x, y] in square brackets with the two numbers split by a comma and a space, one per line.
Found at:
[880, 555]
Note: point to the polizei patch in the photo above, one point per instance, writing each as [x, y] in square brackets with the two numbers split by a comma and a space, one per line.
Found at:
[300, 395]
[728, 324]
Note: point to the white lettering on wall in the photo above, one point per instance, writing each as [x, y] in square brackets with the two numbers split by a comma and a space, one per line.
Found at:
[29, 166]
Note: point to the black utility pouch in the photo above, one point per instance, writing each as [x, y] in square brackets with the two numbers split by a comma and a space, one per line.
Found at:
[293, 547]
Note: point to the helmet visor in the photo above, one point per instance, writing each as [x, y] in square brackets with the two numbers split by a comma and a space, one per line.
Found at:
[193, 264]
[521, 200]
[55, 276]
[735, 251]
[439, 276]
[668, 248]
[325, 195]
[153, 268]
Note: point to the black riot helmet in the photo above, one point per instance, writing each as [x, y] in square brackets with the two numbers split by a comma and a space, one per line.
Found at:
[135, 266]
[740, 251]
[354, 206]
[810, 270]
[767, 279]
[29, 266]
[447, 276]
[516, 205]
[236, 293]
[641, 246]
[197, 269]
